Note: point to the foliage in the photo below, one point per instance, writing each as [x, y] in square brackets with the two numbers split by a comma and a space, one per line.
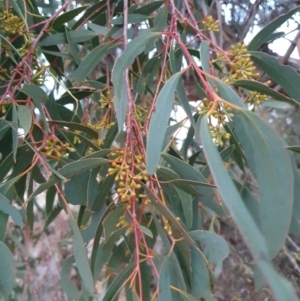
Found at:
[87, 96]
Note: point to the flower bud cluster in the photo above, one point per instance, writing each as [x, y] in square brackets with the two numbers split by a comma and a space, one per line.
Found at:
[128, 179]
[256, 98]
[102, 124]
[210, 24]
[140, 113]
[56, 149]
[13, 26]
[219, 134]
[241, 65]
[11, 23]
[221, 114]
[106, 101]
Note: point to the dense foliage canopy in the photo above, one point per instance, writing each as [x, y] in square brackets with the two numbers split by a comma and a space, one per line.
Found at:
[144, 121]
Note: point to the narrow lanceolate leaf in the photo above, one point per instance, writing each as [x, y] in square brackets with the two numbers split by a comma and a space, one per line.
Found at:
[78, 36]
[264, 89]
[39, 97]
[204, 56]
[174, 261]
[25, 118]
[80, 255]
[175, 64]
[270, 163]
[68, 171]
[285, 76]
[121, 107]
[146, 231]
[119, 282]
[7, 277]
[68, 16]
[7, 208]
[294, 148]
[164, 292]
[186, 171]
[201, 282]
[295, 224]
[282, 289]
[67, 285]
[159, 122]
[76, 126]
[264, 35]
[133, 49]
[227, 93]
[15, 133]
[89, 63]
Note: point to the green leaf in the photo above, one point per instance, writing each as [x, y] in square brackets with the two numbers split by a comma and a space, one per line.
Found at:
[114, 289]
[68, 16]
[159, 122]
[285, 76]
[101, 30]
[264, 35]
[228, 93]
[78, 36]
[215, 249]
[102, 257]
[36, 93]
[104, 189]
[294, 148]
[204, 56]
[66, 284]
[295, 223]
[132, 18]
[39, 97]
[175, 63]
[25, 118]
[167, 247]
[146, 231]
[98, 235]
[3, 224]
[76, 189]
[121, 108]
[248, 228]
[160, 20]
[188, 297]
[187, 205]
[7, 271]
[149, 8]
[171, 177]
[270, 163]
[201, 282]
[164, 290]
[7, 208]
[68, 171]
[186, 171]
[133, 49]
[89, 63]
[80, 256]
[73, 48]
[276, 105]
[252, 85]
[51, 217]
[178, 230]
[110, 222]
[15, 133]
[76, 126]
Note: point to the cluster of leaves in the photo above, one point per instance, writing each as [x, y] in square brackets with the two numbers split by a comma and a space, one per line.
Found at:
[101, 139]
